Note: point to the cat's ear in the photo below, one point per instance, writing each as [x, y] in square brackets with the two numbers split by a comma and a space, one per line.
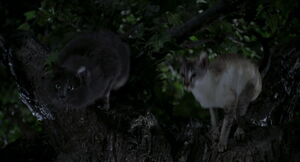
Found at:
[83, 74]
[81, 70]
[203, 60]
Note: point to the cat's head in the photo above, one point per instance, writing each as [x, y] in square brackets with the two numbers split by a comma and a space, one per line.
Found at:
[193, 69]
[65, 85]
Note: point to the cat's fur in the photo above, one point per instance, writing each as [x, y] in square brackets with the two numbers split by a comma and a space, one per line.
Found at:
[229, 82]
[87, 69]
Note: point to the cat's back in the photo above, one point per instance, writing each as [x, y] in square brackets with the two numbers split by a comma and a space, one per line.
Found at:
[233, 63]
[85, 43]
[103, 50]
[236, 72]
[224, 62]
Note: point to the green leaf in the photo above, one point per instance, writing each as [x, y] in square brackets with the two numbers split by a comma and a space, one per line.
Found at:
[246, 38]
[259, 9]
[173, 19]
[157, 41]
[193, 38]
[131, 19]
[30, 15]
[24, 26]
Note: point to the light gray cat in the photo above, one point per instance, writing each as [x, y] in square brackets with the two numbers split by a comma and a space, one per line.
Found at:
[229, 82]
[87, 69]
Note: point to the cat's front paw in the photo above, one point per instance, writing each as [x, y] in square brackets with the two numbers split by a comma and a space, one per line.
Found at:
[104, 106]
[215, 134]
[239, 134]
[222, 147]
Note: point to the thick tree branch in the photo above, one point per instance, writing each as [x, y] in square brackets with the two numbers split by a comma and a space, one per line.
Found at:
[221, 8]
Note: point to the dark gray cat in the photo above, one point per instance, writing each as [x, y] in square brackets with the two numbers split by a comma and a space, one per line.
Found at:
[87, 69]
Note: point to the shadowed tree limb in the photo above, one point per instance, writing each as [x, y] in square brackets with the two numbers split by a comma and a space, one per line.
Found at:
[221, 8]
